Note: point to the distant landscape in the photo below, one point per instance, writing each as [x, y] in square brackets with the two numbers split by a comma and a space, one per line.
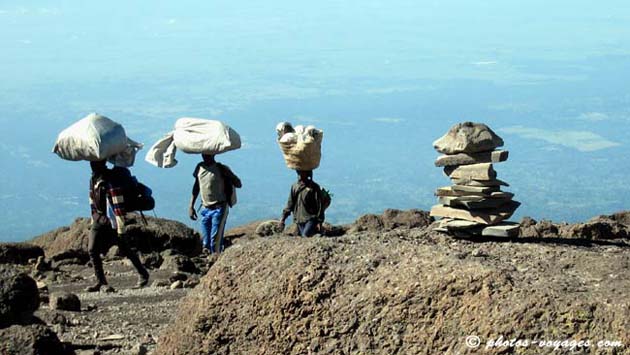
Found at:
[383, 80]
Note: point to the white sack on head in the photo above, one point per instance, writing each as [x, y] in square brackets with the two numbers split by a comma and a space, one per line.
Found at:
[127, 157]
[92, 138]
[197, 135]
[193, 135]
[162, 153]
[301, 147]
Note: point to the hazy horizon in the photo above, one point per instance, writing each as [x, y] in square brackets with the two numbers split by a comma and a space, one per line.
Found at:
[383, 79]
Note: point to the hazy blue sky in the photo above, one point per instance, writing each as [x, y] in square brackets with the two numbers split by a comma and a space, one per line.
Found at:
[382, 78]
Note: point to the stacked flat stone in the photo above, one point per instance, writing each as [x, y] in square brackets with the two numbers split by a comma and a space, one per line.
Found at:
[474, 204]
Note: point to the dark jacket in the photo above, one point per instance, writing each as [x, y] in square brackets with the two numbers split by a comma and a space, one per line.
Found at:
[305, 202]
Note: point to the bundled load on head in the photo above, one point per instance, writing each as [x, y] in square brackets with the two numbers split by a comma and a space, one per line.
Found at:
[193, 136]
[301, 146]
[474, 204]
[96, 138]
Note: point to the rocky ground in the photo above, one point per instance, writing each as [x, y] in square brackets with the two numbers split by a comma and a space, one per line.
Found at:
[384, 284]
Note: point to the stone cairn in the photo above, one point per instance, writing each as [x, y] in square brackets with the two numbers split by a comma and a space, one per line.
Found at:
[474, 205]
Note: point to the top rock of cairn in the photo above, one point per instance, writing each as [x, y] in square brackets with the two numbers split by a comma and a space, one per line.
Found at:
[468, 137]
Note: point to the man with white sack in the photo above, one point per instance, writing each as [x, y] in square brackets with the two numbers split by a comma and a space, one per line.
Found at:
[215, 182]
[97, 139]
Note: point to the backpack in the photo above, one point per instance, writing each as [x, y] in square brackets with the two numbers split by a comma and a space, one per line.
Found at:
[137, 196]
[228, 185]
[312, 198]
[326, 198]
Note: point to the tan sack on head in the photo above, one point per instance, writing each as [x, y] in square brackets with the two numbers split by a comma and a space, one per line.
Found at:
[302, 147]
[93, 138]
[197, 135]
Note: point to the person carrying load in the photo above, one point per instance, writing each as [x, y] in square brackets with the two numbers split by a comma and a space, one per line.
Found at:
[306, 203]
[97, 139]
[215, 182]
[103, 191]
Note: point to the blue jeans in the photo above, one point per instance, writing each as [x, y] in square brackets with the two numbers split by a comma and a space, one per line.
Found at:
[212, 228]
[307, 229]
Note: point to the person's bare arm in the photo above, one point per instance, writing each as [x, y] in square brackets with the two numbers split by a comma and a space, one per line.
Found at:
[191, 209]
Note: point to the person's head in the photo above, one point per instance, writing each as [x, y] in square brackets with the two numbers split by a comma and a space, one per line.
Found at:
[98, 167]
[305, 175]
[208, 158]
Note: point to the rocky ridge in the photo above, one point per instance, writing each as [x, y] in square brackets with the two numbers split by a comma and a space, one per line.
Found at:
[384, 284]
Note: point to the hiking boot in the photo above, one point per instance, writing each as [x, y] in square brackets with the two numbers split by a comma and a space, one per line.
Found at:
[100, 287]
[93, 288]
[142, 282]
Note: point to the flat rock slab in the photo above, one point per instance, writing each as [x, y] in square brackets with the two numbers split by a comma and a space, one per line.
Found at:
[468, 137]
[502, 195]
[489, 217]
[448, 191]
[486, 190]
[504, 229]
[483, 171]
[471, 202]
[470, 182]
[495, 156]
[458, 224]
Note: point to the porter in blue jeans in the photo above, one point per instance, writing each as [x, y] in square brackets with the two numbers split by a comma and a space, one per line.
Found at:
[212, 227]
[215, 183]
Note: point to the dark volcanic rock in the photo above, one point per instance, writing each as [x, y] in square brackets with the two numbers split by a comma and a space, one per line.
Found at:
[19, 297]
[158, 235]
[33, 339]
[391, 219]
[65, 302]
[367, 222]
[615, 226]
[178, 263]
[601, 227]
[268, 228]
[379, 294]
[19, 253]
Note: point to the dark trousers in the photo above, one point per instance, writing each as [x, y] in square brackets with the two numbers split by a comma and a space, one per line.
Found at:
[307, 229]
[102, 237]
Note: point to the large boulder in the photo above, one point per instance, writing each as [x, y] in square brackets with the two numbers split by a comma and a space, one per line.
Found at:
[65, 301]
[19, 253]
[379, 294]
[35, 339]
[602, 227]
[268, 228]
[468, 137]
[157, 235]
[19, 297]
[615, 226]
[391, 219]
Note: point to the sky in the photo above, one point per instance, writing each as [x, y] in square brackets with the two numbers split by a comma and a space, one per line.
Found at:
[383, 79]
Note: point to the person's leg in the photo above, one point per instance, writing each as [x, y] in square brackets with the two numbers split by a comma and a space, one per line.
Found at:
[301, 229]
[218, 223]
[218, 238]
[94, 249]
[124, 248]
[309, 228]
[206, 228]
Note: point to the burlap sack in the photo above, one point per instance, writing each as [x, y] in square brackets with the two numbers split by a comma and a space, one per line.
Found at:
[305, 154]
